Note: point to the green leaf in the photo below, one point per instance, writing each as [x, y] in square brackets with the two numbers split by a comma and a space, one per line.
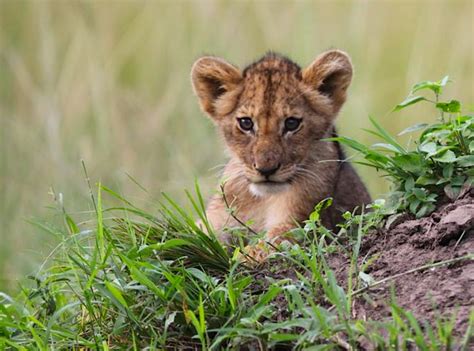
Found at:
[72, 226]
[419, 193]
[388, 147]
[448, 170]
[143, 279]
[444, 81]
[414, 128]
[351, 143]
[386, 136]
[434, 86]
[458, 180]
[315, 216]
[426, 180]
[465, 161]
[412, 163]
[393, 202]
[446, 157]
[425, 209]
[377, 158]
[414, 205]
[408, 101]
[409, 184]
[429, 148]
[452, 106]
[116, 293]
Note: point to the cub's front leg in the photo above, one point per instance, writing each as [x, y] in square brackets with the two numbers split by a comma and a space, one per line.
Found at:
[219, 217]
[275, 236]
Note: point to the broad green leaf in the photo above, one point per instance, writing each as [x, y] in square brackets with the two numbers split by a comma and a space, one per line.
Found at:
[408, 101]
[452, 106]
[424, 210]
[410, 162]
[429, 148]
[419, 193]
[434, 86]
[465, 161]
[409, 184]
[458, 180]
[414, 205]
[448, 170]
[446, 157]
[426, 180]
[377, 158]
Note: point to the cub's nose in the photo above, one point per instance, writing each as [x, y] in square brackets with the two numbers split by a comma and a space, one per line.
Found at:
[267, 171]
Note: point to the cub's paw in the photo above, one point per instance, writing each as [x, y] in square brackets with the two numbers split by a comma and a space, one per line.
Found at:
[256, 254]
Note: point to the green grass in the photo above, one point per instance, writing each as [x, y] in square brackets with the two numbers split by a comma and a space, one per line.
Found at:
[109, 84]
[129, 279]
[125, 278]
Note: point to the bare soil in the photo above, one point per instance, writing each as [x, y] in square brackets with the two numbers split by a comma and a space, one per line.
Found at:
[408, 244]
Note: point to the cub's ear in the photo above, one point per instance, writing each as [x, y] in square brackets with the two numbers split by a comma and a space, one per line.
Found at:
[215, 82]
[330, 74]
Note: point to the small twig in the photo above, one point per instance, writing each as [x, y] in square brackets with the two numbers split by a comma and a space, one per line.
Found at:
[231, 212]
[243, 224]
[459, 240]
[417, 269]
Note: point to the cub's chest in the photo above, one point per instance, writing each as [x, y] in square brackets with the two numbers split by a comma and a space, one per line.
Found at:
[269, 212]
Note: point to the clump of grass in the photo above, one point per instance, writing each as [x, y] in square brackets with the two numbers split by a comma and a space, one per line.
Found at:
[129, 279]
[440, 164]
[134, 280]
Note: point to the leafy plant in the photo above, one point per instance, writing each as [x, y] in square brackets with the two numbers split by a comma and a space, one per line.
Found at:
[440, 164]
[130, 280]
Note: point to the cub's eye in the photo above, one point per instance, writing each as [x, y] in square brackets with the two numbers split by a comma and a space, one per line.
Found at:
[292, 124]
[245, 123]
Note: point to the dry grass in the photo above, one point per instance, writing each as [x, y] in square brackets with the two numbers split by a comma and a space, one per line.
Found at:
[109, 83]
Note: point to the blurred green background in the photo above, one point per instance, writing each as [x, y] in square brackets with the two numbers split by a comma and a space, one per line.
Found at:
[107, 82]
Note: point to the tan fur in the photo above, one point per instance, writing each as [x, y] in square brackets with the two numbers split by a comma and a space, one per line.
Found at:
[269, 91]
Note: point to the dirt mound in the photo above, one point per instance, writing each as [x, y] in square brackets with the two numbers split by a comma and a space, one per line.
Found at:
[406, 249]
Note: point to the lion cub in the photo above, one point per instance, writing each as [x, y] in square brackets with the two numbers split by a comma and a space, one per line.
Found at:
[273, 115]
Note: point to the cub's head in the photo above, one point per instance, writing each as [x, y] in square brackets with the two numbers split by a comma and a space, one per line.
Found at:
[273, 113]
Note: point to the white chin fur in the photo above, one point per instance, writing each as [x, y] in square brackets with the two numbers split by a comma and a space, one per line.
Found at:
[262, 189]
